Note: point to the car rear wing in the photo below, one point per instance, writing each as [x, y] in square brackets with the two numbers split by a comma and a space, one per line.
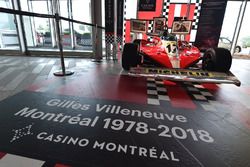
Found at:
[186, 75]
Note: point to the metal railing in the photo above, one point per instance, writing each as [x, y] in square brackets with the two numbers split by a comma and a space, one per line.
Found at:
[57, 18]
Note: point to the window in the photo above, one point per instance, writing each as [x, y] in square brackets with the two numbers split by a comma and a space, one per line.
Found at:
[233, 30]
[244, 35]
[8, 33]
[81, 10]
[40, 32]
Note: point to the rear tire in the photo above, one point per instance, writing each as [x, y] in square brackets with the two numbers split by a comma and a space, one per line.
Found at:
[217, 59]
[130, 56]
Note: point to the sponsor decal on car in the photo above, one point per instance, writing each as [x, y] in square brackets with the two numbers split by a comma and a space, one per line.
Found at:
[190, 75]
[179, 72]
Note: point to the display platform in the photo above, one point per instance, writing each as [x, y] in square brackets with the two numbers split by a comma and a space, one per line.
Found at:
[78, 131]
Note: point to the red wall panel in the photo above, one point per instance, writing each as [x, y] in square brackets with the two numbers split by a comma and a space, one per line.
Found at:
[150, 15]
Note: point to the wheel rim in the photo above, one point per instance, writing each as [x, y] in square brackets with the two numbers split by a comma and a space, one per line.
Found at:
[208, 62]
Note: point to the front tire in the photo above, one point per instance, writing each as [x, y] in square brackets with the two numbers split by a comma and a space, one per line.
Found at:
[217, 59]
[130, 56]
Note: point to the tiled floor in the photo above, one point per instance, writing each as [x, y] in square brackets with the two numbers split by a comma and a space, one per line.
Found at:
[106, 80]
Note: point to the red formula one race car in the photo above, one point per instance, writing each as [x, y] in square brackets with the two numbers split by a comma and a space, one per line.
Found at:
[169, 58]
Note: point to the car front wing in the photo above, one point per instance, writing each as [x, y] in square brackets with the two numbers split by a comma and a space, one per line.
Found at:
[185, 75]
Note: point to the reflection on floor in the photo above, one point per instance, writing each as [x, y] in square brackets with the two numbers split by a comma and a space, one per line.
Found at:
[106, 80]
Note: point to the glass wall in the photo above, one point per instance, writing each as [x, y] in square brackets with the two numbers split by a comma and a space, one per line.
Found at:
[31, 37]
[233, 32]
[82, 33]
[76, 36]
[81, 10]
[40, 32]
[66, 29]
[8, 32]
[244, 35]
[229, 24]
[5, 4]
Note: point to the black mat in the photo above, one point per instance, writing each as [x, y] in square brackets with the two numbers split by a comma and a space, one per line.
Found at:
[91, 132]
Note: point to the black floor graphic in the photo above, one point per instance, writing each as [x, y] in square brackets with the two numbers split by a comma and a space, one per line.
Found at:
[93, 132]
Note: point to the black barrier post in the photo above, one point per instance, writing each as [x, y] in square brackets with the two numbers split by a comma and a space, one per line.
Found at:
[63, 72]
[114, 54]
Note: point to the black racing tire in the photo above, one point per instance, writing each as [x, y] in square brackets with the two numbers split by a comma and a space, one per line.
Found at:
[237, 49]
[217, 59]
[130, 57]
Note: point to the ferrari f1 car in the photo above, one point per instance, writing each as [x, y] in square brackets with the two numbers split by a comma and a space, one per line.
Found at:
[169, 58]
